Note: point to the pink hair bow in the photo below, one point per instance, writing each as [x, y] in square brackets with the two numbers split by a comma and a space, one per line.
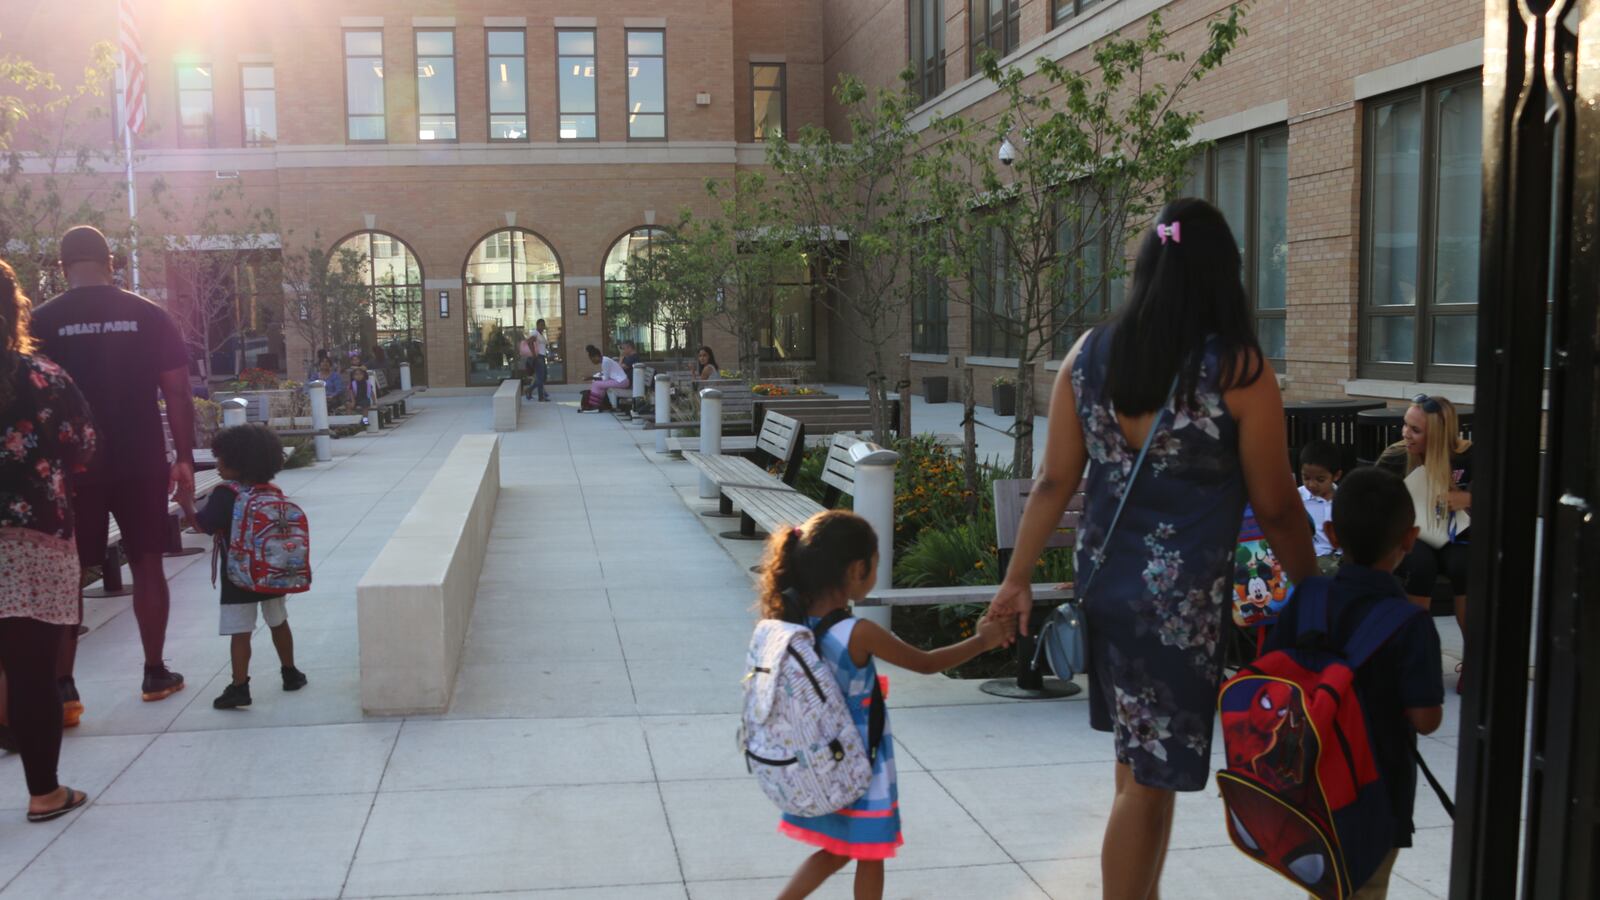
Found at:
[1169, 231]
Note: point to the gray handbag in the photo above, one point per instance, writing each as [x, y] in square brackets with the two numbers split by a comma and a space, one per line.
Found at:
[1063, 639]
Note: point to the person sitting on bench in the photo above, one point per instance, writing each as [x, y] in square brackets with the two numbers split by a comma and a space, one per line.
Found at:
[610, 376]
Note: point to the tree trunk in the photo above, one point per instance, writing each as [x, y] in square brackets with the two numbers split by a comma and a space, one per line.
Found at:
[1022, 424]
[878, 398]
[969, 441]
[905, 395]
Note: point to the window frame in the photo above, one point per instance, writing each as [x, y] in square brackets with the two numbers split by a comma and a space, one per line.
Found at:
[1112, 292]
[244, 126]
[782, 92]
[345, 74]
[979, 37]
[767, 345]
[1063, 11]
[373, 286]
[519, 321]
[594, 35]
[1250, 270]
[929, 81]
[929, 333]
[1011, 344]
[1425, 311]
[455, 84]
[627, 104]
[179, 90]
[488, 98]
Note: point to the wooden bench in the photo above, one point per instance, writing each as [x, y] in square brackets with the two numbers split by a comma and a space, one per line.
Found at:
[1010, 497]
[828, 416]
[738, 406]
[111, 583]
[765, 509]
[391, 404]
[779, 442]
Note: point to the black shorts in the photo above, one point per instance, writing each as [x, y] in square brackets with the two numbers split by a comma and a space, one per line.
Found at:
[140, 507]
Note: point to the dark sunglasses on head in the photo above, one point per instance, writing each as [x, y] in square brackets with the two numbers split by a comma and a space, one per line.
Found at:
[1428, 404]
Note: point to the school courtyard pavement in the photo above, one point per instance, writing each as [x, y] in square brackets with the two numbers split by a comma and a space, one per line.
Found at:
[589, 751]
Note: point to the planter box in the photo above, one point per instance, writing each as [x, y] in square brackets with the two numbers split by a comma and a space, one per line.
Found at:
[1005, 399]
[936, 389]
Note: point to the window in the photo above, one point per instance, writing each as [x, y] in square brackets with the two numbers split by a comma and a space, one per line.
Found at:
[575, 78]
[1066, 9]
[654, 338]
[926, 30]
[508, 84]
[769, 100]
[436, 85]
[513, 280]
[996, 302]
[791, 335]
[260, 103]
[647, 85]
[930, 311]
[1089, 246]
[363, 86]
[194, 105]
[1247, 177]
[995, 25]
[1421, 208]
[394, 279]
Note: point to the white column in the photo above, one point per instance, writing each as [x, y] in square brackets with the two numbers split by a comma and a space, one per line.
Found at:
[640, 373]
[233, 411]
[319, 420]
[405, 376]
[663, 411]
[874, 501]
[710, 436]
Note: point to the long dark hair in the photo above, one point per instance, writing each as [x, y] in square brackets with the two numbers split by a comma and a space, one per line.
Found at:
[710, 354]
[1186, 290]
[15, 339]
[806, 562]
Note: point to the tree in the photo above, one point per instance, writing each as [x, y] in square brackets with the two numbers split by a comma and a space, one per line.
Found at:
[48, 172]
[326, 297]
[859, 208]
[1036, 247]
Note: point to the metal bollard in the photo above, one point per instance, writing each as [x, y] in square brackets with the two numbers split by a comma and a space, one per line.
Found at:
[405, 376]
[319, 420]
[663, 411]
[874, 501]
[639, 377]
[234, 411]
[710, 436]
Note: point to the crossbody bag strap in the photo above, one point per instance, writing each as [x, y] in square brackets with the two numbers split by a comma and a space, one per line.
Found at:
[1133, 476]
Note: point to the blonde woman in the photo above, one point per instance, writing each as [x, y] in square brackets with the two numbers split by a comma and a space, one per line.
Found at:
[1437, 465]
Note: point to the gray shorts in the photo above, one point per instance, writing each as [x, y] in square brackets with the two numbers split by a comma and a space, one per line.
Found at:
[240, 618]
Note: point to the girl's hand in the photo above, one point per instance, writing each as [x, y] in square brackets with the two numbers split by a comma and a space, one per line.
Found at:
[1014, 601]
[1459, 500]
[995, 631]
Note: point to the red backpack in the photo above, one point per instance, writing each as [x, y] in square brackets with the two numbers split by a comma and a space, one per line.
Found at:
[1302, 789]
[269, 541]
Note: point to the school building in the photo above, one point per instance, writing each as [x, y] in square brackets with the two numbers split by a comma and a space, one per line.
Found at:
[499, 160]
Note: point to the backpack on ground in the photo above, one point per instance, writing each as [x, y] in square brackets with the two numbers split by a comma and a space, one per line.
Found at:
[796, 734]
[1302, 789]
[269, 541]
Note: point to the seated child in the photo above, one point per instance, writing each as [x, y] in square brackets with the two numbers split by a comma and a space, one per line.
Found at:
[1320, 471]
[363, 391]
[1401, 686]
[247, 455]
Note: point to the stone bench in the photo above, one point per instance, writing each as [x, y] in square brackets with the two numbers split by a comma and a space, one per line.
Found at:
[415, 602]
[507, 404]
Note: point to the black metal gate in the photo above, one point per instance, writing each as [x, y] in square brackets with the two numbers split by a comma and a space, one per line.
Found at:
[1540, 279]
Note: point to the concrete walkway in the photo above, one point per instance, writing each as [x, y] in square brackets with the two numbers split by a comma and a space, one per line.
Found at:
[589, 751]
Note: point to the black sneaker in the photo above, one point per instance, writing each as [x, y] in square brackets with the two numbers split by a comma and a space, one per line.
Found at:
[293, 679]
[233, 696]
[161, 682]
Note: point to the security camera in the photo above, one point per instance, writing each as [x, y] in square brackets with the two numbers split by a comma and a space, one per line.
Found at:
[1008, 153]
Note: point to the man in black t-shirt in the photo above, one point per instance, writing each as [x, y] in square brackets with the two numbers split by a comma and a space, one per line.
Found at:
[122, 350]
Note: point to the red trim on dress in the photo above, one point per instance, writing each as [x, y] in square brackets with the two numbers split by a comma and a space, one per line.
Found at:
[838, 847]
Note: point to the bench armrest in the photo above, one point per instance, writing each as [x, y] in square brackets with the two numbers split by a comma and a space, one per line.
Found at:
[1043, 594]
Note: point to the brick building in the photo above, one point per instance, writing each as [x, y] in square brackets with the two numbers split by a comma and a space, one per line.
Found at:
[499, 158]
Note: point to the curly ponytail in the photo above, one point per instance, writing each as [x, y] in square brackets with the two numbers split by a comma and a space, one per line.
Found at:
[805, 563]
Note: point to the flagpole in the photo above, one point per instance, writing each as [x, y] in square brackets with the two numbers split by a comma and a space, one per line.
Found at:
[133, 205]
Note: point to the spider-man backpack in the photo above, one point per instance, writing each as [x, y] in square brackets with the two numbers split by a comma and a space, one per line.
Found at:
[1302, 789]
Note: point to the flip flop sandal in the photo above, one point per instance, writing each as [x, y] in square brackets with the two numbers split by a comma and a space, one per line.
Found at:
[75, 799]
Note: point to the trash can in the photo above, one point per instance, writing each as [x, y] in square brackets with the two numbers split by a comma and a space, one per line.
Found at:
[936, 389]
[1333, 421]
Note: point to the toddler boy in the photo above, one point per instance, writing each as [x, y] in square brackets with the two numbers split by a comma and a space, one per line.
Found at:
[1320, 471]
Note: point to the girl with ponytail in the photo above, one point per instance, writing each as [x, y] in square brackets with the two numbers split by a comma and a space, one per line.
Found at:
[809, 572]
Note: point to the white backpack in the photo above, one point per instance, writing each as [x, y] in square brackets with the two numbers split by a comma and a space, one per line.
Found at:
[797, 735]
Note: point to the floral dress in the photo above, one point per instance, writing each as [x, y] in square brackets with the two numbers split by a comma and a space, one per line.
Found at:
[45, 436]
[1156, 608]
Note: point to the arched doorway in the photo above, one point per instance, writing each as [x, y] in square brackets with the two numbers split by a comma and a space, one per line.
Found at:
[512, 279]
[655, 337]
[394, 332]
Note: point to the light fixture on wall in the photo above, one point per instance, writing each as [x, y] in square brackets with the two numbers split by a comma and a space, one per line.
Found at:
[583, 301]
[444, 304]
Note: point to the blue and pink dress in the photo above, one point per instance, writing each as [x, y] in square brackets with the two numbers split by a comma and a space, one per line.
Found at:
[870, 827]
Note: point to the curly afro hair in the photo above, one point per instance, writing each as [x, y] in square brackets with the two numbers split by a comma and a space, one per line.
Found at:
[252, 451]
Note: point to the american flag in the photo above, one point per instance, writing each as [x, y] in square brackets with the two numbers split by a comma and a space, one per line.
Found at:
[132, 66]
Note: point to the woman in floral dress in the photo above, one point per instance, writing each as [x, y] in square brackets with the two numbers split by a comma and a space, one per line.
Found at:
[45, 435]
[1155, 609]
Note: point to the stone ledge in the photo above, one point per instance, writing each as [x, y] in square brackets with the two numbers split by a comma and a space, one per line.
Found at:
[507, 405]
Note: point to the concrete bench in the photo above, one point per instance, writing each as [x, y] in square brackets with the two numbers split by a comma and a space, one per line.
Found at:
[507, 405]
[414, 604]
[1010, 497]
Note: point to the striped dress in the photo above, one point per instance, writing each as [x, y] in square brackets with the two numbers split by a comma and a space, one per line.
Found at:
[870, 827]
